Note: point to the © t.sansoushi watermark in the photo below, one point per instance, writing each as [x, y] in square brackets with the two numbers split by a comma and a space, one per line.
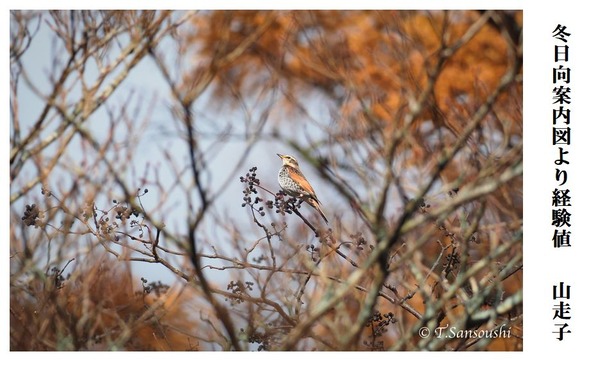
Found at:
[453, 332]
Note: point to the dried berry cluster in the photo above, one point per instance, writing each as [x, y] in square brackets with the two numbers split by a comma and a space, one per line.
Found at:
[314, 252]
[159, 288]
[57, 276]
[378, 323]
[120, 211]
[239, 289]
[251, 183]
[359, 241]
[124, 212]
[31, 215]
[281, 203]
[262, 339]
[451, 262]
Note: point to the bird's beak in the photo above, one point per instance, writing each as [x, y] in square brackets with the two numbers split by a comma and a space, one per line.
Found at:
[279, 155]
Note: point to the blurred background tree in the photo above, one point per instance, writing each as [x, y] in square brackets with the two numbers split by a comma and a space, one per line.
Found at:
[407, 123]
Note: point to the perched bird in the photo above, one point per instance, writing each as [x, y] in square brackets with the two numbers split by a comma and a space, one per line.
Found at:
[293, 183]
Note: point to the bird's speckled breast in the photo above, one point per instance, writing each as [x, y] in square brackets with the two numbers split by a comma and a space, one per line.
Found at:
[289, 186]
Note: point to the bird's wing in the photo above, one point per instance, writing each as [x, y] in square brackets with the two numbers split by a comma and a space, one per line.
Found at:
[299, 178]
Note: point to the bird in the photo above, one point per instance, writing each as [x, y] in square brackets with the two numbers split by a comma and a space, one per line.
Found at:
[292, 182]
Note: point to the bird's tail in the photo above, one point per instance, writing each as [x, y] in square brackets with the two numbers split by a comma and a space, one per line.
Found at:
[314, 203]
